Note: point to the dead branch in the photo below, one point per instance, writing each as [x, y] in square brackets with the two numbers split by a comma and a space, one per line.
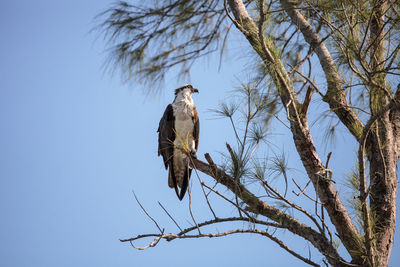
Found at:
[169, 215]
[190, 208]
[202, 188]
[148, 215]
[182, 235]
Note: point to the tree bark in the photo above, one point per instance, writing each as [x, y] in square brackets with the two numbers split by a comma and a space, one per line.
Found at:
[382, 148]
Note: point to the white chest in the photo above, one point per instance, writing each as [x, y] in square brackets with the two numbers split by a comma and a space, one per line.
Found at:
[183, 112]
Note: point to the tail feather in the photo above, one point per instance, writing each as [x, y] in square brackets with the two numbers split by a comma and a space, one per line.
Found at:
[170, 180]
[185, 183]
[173, 183]
[182, 183]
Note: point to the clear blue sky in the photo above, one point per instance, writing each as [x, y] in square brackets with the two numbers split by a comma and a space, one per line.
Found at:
[75, 142]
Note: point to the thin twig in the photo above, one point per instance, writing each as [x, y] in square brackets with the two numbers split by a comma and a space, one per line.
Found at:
[284, 124]
[310, 82]
[230, 201]
[279, 195]
[152, 244]
[283, 245]
[302, 192]
[229, 219]
[190, 208]
[202, 188]
[170, 237]
[234, 129]
[169, 215]
[148, 215]
[240, 27]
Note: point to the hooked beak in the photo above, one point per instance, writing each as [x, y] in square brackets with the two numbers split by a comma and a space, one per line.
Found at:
[195, 90]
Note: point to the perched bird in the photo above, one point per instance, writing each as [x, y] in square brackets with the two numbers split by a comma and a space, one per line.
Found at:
[178, 137]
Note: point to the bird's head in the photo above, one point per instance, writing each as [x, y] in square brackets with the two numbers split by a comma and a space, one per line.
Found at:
[185, 91]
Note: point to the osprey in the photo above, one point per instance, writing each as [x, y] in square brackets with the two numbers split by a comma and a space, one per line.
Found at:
[178, 136]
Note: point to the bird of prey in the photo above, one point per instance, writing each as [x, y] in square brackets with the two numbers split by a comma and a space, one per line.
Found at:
[178, 137]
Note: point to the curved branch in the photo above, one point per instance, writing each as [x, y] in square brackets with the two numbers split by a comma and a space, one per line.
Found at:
[152, 244]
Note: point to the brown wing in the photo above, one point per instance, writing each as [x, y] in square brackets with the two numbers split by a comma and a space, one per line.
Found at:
[166, 136]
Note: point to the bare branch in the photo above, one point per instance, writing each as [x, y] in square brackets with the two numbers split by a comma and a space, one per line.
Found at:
[148, 215]
[190, 208]
[169, 215]
[302, 191]
[152, 244]
[231, 202]
[202, 188]
[293, 205]
[183, 235]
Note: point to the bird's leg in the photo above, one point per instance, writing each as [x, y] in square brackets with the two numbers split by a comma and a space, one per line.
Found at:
[193, 154]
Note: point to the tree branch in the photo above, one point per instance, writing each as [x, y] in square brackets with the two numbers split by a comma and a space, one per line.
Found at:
[170, 237]
[262, 208]
[335, 95]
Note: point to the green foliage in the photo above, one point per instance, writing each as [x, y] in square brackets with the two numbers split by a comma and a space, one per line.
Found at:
[279, 167]
[259, 169]
[238, 167]
[226, 109]
[352, 182]
[252, 108]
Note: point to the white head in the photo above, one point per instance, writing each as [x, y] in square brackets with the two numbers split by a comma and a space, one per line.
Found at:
[185, 91]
